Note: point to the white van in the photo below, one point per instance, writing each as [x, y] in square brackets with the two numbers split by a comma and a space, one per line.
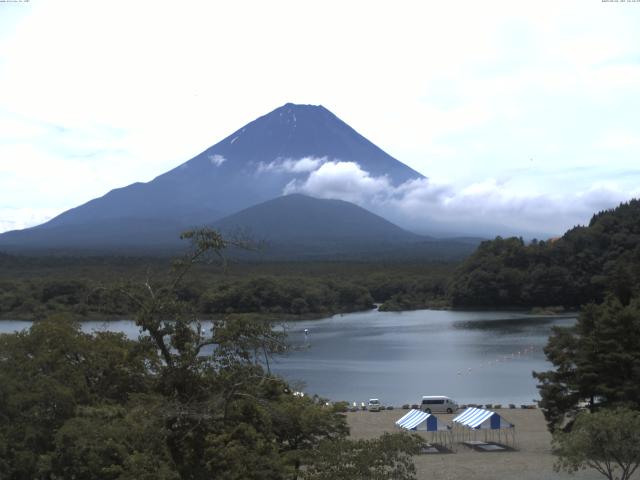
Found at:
[438, 404]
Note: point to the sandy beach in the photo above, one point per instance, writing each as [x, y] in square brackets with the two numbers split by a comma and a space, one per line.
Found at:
[531, 459]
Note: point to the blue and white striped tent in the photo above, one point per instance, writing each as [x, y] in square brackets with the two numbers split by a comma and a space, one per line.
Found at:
[418, 420]
[475, 419]
[481, 419]
[425, 422]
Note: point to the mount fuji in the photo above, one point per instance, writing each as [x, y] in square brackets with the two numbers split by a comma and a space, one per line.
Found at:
[256, 163]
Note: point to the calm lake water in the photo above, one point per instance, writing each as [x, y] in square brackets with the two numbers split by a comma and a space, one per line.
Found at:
[473, 357]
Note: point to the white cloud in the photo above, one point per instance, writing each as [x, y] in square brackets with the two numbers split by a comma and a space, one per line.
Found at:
[486, 206]
[502, 207]
[619, 141]
[217, 160]
[343, 180]
[290, 165]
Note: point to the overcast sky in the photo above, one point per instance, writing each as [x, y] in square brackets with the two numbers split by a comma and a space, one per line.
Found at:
[526, 111]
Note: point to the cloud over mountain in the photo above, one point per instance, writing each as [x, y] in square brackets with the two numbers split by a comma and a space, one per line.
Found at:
[344, 181]
[502, 205]
[288, 165]
[217, 160]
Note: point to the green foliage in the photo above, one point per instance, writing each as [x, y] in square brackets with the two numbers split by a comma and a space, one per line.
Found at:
[581, 267]
[285, 295]
[597, 361]
[427, 289]
[507, 273]
[607, 441]
[386, 457]
[37, 287]
[110, 442]
[50, 372]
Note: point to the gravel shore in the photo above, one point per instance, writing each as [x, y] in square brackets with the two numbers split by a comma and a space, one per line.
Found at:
[531, 460]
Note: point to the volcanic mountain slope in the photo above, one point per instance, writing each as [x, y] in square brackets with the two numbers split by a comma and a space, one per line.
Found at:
[252, 165]
[302, 227]
[301, 219]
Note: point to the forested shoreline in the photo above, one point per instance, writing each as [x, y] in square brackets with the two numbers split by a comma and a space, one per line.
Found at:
[32, 288]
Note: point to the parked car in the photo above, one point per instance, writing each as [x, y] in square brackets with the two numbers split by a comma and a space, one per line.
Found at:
[438, 404]
[374, 405]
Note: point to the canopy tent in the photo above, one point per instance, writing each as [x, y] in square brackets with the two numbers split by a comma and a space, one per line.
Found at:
[474, 419]
[425, 422]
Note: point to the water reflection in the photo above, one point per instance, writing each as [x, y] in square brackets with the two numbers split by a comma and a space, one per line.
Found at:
[513, 324]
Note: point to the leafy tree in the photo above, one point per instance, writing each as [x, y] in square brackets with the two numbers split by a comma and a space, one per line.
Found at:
[300, 422]
[597, 361]
[111, 442]
[379, 459]
[50, 372]
[607, 441]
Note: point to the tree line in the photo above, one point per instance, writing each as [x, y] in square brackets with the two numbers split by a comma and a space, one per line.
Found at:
[274, 290]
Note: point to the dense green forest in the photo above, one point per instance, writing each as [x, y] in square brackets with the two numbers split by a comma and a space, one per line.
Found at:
[582, 266]
[92, 287]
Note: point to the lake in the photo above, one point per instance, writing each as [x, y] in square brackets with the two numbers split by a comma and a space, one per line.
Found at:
[473, 357]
